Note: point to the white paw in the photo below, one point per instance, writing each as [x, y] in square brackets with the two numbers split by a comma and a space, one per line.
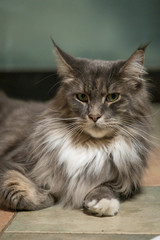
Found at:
[104, 207]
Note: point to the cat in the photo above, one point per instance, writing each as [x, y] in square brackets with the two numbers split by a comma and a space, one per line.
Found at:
[87, 148]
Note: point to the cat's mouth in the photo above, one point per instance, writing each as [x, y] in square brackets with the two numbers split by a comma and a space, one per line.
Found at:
[97, 131]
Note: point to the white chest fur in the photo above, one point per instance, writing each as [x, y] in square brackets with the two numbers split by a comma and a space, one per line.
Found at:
[81, 162]
[76, 159]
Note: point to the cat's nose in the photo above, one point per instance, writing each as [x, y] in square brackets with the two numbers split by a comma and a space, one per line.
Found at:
[94, 117]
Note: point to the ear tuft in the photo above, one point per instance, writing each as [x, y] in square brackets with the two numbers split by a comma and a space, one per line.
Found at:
[144, 46]
[133, 68]
[65, 62]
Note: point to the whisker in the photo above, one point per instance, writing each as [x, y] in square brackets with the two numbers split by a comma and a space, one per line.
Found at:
[133, 127]
[41, 80]
[134, 137]
[49, 91]
[153, 114]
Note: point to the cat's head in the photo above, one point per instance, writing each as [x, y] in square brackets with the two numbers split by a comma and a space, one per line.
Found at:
[101, 96]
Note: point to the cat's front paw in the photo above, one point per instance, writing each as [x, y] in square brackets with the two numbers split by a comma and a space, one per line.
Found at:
[103, 207]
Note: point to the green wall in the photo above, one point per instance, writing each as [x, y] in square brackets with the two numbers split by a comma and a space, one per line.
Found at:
[105, 29]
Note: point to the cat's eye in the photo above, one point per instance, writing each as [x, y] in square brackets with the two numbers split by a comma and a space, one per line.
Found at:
[82, 97]
[112, 97]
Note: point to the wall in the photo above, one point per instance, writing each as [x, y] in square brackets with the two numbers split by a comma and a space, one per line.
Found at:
[105, 29]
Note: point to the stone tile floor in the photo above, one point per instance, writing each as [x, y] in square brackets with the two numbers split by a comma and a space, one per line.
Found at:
[138, 218]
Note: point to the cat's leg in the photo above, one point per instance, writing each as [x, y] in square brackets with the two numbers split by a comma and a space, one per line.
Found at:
[101, 201]
[17, 192]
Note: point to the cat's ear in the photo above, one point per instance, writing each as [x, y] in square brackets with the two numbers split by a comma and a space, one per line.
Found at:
[134, 66]
[65, 62]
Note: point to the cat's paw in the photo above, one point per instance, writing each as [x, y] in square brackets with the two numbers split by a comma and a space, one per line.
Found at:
[103, 207]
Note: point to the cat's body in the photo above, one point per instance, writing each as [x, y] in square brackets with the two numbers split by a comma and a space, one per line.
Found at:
[85, 148]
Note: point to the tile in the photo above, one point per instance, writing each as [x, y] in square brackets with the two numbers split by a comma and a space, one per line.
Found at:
[5, 217]
[152, 173]
[140, 215]
[39, 236]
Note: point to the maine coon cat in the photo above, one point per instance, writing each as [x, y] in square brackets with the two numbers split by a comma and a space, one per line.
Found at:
[85, 148]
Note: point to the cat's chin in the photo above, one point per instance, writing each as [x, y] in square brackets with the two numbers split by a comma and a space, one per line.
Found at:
[96, 132]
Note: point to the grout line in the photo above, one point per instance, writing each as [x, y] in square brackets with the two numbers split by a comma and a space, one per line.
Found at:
[96, 233]
[7, 225]
[152, 185]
